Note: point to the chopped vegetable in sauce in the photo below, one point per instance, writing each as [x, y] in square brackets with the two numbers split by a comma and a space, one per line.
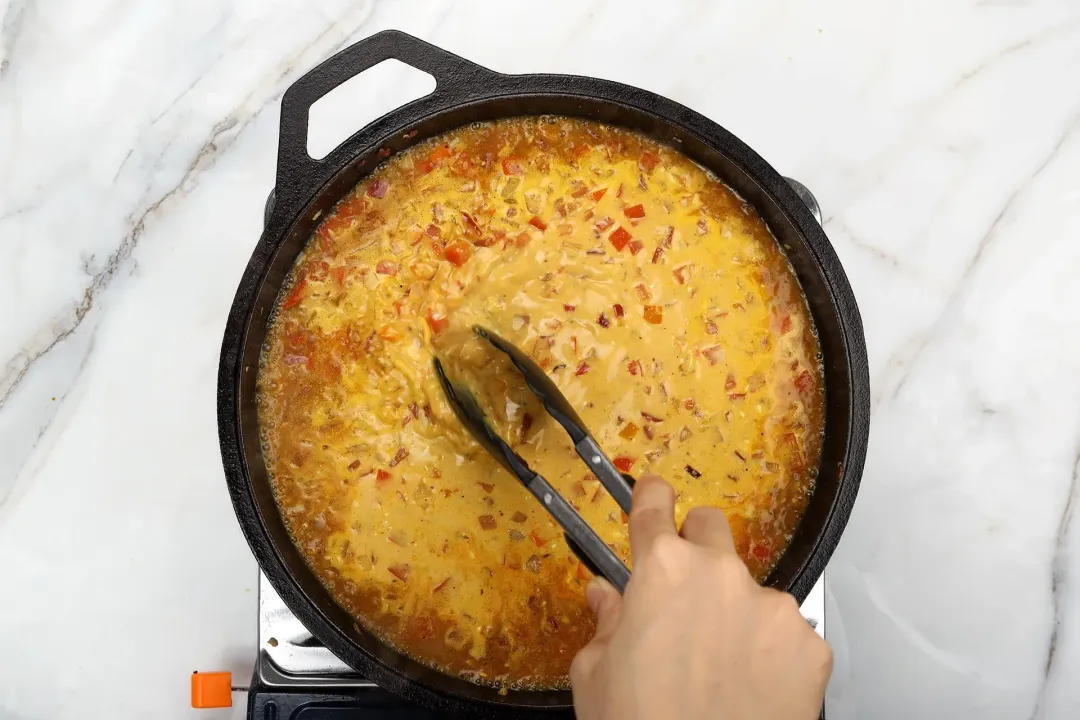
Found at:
[651, 294]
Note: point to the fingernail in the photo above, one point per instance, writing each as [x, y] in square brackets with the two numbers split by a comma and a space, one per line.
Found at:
[594, 593]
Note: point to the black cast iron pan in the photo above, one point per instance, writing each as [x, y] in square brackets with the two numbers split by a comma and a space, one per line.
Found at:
[466, 93]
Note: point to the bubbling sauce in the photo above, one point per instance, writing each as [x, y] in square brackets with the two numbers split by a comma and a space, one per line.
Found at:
[654, 297]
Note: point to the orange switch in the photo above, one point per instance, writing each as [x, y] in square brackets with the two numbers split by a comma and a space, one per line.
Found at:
[211, 690]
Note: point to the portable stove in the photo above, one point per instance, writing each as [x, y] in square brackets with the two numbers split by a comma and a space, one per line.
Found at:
[295, 675]
[297, 678]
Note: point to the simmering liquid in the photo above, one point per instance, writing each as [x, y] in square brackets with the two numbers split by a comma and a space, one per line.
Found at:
[654, 297]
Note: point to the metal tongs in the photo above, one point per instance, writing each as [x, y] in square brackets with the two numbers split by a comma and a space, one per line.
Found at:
[582, 539]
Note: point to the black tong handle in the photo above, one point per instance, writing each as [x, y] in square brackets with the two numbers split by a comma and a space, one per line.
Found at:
[619, 485]
[581, 538]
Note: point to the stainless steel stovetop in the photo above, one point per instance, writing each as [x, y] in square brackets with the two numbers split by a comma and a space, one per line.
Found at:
[290, 658]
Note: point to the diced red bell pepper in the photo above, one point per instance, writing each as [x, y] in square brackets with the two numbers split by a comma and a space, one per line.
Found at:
[386, 267]
[649, 160]
[293, 299]
[318, 271]
[437, 319]
[458, 253]
[472, 229]
[439, 153]
[619, 238]
[804, 381]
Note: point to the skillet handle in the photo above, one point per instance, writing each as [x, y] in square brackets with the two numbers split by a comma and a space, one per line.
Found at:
[456, 79]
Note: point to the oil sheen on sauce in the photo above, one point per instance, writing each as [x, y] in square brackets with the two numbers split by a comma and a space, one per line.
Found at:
[655, 298]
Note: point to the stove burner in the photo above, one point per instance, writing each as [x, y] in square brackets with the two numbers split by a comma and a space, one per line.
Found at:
[289, 656]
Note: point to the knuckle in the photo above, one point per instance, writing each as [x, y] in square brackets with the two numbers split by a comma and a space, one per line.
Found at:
[825, 656]
[783, 608]
[647, 516]
[788, 603]
[667, 550]
[653, 494]
[667, 546]
[705, 515]
[660, 486]
[581, 666]
[666, 556]
[784, 603]
[731, 565]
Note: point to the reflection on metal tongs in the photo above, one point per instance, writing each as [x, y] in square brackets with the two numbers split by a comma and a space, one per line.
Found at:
[583, 540]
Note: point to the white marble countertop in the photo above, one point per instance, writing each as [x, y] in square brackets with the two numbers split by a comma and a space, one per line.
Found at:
[942, 137]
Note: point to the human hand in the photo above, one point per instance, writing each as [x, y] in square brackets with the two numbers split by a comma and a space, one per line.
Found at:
[695, 636]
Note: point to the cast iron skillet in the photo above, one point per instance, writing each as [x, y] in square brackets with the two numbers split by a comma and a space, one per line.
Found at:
[467, 93]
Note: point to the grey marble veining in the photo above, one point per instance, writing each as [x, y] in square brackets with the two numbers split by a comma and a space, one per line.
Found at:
[137, 145]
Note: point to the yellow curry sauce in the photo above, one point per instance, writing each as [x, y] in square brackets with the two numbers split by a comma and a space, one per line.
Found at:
[653, 296]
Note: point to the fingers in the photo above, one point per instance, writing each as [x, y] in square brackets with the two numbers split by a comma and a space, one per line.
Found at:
[606, 602]
[708, 527]
[652, 513]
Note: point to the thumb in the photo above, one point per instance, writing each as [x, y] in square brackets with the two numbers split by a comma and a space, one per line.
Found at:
[606, 602]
